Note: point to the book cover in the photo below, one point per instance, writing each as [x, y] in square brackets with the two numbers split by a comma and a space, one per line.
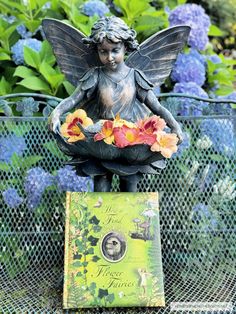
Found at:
[112, 251]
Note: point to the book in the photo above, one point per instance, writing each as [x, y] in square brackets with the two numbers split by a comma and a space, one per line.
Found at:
[112, 251]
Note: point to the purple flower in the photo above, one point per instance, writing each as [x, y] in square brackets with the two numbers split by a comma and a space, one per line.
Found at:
[92, 7]
[221, 133]
[68, 180]
[36, 181]
[189, 68]
[9, 145]
[187, 106]
[12, 198]
[194, 16]
[18, 49]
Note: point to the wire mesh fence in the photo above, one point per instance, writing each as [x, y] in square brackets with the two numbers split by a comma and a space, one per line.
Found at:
[197, 202]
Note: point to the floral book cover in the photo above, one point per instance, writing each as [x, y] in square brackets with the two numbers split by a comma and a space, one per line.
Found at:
[112, 251]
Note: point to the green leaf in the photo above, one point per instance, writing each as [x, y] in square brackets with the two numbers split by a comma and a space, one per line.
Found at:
[4, 56]
[77, 264]
[32, 25]
[215, 31]
[94, 220]
[7, 33]
[5, 86]
[102, 293]
[50, 74]
[90, 250]
[216, 157]
[110, 298]
[32, 57]
[26, 162]
[95, 258]
[16, 161]
[24, 72]
[5, 167]
[68, 87]
[34, 83]
[53, 149]
[93, 241]
[46, 53]
[30, 161]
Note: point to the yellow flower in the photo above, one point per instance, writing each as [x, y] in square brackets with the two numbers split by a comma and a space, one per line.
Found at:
[165, 143]
[70, 128]
[118, 122]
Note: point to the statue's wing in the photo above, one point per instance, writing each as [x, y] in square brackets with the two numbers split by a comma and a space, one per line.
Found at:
[73, 56]
[157, 54]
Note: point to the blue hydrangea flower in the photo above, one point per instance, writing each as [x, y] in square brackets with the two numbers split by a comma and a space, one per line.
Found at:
[222, 108]
[227, 107]
[194, 16]
[46, 6]
[93, 7]
[187, 106]
[12, 198]
[11, 144]
[18, 49]
[184, 145]
[22, 30]
[214, 59]
[195, 54]
[188, 68]
[9, 19]
[204, 217]
[36, 181]
[221, 133]
[68, 180]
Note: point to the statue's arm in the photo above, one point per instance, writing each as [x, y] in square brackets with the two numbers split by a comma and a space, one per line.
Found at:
[64, 106]
[153, 104]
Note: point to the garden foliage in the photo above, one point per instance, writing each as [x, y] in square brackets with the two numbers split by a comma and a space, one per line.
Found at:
[27, 64]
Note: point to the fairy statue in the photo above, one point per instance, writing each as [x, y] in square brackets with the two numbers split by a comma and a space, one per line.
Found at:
[110, 85]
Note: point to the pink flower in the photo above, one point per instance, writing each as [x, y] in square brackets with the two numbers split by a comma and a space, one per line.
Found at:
[149, 127]
[165, 143]
[125, 136]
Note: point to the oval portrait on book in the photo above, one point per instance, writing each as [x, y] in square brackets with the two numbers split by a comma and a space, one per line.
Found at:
[113, 246]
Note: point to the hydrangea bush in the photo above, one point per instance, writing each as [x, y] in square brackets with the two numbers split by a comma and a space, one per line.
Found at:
[28, 65]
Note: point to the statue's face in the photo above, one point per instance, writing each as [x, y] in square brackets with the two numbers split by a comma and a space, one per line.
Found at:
[111, 54]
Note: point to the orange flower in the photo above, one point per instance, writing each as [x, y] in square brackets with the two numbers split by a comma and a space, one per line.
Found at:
[149, 127]
[125, 136]
[70, 128]
[106, 133]
[165, 143]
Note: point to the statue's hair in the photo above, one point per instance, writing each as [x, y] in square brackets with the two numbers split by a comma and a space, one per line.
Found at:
[113, 29]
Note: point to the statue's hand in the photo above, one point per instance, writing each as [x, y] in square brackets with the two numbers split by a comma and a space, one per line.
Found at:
[179, 133]
[54, 123]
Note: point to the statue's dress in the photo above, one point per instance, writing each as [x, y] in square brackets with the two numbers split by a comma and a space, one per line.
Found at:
[107, 97]
[104, 98]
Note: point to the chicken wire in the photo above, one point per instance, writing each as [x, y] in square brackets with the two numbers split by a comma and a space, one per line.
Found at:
[197, 216]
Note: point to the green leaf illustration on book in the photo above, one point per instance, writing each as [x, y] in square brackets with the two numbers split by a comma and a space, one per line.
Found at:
[112, 251]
